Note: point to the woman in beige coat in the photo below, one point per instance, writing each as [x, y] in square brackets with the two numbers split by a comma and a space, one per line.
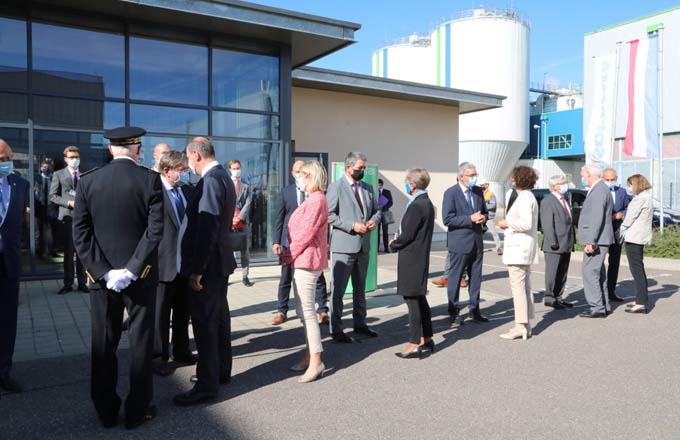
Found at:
[521, 249]
[636, 232]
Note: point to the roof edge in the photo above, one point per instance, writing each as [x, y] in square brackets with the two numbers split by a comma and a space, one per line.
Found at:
[613, 26]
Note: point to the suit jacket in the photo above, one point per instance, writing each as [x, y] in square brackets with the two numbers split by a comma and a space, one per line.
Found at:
[520, 246]
[637, 224]
[167, 248]
[244, 201]
[13, 222]
[557, 226]
[595, 221]
[622, 199]
[118, 219]
[413, 244]
[62, 191]
[388, 195]
[205, 246]
[288, 204]
[344, 211]
[463, 234]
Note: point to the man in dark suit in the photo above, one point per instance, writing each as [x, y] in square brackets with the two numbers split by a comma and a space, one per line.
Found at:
[385, 202]
[117, 225]
[63, 194]
[241, 221]
[558, 242]
[464, 212]
[207, 260]
[172, 292]
[14, 193]
[620, 199]
[352, 215]
[291, 198]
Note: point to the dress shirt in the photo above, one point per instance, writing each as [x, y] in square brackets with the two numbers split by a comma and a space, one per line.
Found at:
[209, 167]
[559, 197]
[361, 196]
[465, 189]
[71, 171]
[168, 187]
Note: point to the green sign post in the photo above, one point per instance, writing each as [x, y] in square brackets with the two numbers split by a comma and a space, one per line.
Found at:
[370, 177]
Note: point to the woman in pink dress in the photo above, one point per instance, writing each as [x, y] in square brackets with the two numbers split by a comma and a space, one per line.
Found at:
[308, 237]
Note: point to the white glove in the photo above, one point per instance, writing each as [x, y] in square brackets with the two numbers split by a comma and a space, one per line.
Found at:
[112, 277]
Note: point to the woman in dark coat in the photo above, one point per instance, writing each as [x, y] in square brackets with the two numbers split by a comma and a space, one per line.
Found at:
[413, 242]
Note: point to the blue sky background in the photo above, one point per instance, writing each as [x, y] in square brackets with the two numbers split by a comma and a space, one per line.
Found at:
[556, 38]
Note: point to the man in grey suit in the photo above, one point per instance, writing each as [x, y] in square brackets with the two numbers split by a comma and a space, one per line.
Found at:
[352, 214]
[558, 241]
[241, 222]
[63, 193]
[596, 234]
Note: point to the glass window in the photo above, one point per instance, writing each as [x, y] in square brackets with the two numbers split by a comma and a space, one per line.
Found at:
[261, 165]
[13, 54]
[13, 107]
[80, 62]
[149, 142]
[82, 113]
[245, 125]
[168, 72]
[169, 119]
[244, 80]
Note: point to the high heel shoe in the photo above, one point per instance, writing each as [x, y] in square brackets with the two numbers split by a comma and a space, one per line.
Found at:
[416, 353]
[317, 375]
[516, 333]
[428, 346]
[299, 367]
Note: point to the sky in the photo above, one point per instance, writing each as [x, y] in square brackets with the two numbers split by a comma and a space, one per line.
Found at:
[556, 37]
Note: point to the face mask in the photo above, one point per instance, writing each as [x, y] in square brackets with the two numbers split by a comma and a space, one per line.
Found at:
[47, 172]
[357, 175]
[629, 190]
[192, 169]
[611, 185]
[472, 181]
[6, 168]
[73, 163]
[584, 183]
[235, 173]
[512, 185]
[300, 183]
[564, 188]
[183, 178]
[408, 188]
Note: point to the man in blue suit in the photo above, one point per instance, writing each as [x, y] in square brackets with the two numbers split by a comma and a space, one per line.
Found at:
[291, 198]
[621, 200]
[464, 213]
[13, 203]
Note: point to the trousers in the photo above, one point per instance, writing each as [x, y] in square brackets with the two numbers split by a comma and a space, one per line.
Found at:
[419, 318]
[304, 287]
[520, 285]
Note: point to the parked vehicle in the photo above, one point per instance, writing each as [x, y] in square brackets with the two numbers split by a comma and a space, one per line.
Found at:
[574, 197]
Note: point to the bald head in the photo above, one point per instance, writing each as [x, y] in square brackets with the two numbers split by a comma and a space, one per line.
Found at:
[609, 175]
[5, 151]
[158, 151]
[296, 167]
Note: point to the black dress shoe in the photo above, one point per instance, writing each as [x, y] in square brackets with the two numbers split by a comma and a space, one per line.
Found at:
[163, 369]
[615, 298]
[187, 359]
[149, 414]
[247, 283]
[638, 310]
[416, 353]
[429, 346]
[478, 317]
[455, 319]
[9, 384]
[224, 380]
[589, 314]
[341, 337]
[83, 288]
[64, 290]
[565, 304]
[365, 331]
[193, 397]
[554, 304]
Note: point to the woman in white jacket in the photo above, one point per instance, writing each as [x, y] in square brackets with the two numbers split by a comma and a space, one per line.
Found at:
[521, 249]
[636, 232]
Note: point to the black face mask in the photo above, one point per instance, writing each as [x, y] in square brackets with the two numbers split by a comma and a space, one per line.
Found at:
[357, 175]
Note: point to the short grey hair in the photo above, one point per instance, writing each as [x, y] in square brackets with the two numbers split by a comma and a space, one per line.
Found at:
[203, 145]
[352, 158]
[419, 177]
[556, 179]
[172, 159]
[593, 169]
[125, 150]
[463, 167]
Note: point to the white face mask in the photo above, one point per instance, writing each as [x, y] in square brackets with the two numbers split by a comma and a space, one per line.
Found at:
[73, 163]
[235, 173]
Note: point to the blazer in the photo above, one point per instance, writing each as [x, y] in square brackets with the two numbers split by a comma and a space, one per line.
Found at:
[11, 227]
[118, 219]
[287, 205]
[308, 234]
[205, 246]
[463, 234]
[595, 221]
[62, 191]
[344, 211]
[558, 228]
[244, 201]
[637, 224]
[167, 248]
[413, 244]
[622, 199]
[521, 238]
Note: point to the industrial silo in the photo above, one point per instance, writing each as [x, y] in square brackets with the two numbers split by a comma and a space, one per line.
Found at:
[409, 59]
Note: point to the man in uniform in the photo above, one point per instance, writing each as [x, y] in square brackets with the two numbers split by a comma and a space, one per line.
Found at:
[117, 225]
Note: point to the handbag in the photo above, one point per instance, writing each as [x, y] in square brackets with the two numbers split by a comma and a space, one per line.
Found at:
[388, 217]
[238, 240]
[285, 257]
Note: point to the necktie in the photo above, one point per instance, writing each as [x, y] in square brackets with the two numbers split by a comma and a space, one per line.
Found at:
[75, 179]
[2, 204]
[179, 204]
[301, 197]
[358, 197]
[564, 204]
[468, 195]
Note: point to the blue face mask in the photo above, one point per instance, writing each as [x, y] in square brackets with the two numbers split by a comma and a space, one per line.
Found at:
[183, 178]
[408, 188]
[6, 168]
[612, 185]
[564, 188]
[472, 182]
[584, 183]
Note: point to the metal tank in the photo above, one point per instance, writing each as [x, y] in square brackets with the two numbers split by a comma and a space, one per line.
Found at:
[409, 59]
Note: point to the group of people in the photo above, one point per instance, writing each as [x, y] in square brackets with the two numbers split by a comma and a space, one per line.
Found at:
[157, 246]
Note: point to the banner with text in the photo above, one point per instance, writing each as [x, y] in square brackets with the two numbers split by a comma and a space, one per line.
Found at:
[598, 141]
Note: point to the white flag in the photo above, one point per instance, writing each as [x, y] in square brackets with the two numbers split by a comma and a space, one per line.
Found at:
[600, 128]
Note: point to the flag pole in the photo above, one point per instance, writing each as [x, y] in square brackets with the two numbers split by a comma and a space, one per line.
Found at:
[616, 93]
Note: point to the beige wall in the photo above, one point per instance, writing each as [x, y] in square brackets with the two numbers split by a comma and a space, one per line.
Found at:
[394, 134]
